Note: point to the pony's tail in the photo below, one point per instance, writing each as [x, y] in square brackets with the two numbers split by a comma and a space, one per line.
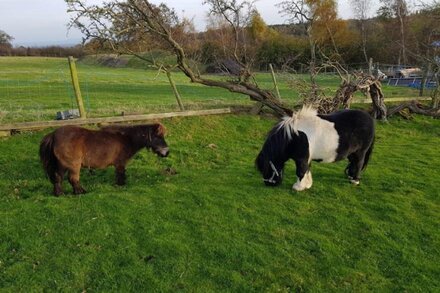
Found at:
[368, 154]
[47, 156]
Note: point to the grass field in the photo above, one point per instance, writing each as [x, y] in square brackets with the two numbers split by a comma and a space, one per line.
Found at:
[213, 226]
[33, 89]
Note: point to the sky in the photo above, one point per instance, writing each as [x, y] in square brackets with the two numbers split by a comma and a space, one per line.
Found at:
[44, 22]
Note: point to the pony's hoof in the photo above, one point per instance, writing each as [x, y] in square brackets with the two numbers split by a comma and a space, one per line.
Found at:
[298, 187]
[79, 191]
[354, 182]
[305, 183]
[58, 192]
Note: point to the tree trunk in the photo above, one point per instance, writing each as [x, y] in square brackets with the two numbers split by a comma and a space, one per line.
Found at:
[379, 108]
[344, 95]
[175, 91]
[402, 32]
[364, 41]
[426, 70]
[436, 93]
[414, 107]
[312, 62]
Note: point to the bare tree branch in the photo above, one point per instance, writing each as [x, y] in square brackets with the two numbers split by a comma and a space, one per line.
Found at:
[114, 22]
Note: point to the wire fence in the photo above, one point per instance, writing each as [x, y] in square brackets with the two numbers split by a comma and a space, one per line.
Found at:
[28, 94]
[35, 89]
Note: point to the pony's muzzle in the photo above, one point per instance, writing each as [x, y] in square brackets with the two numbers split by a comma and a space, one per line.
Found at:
[276, 178]
[163, 152]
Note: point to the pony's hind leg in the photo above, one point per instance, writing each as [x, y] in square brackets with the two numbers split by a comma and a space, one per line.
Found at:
[350, 169]
[59, 177]
[355, 167]
[74, 180]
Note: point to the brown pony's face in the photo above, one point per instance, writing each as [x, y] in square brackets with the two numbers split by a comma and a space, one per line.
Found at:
[157, 141]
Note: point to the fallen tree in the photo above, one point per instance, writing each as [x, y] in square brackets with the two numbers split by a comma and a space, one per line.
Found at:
[414, 106]
[370, 86]
[350, 84]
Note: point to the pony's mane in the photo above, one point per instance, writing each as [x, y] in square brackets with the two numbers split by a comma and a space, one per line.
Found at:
[290, 123]
[158, 128]
[161, 130]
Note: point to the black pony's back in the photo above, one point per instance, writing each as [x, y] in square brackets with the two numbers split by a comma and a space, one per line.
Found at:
[356, 129]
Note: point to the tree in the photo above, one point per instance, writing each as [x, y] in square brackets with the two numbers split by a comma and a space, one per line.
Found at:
[331, 32]
[273, 47]
[425, 51]
[303, 12]
[5, 39]
[236, 14]
[323, 29]
[5, 43]
[361, 10]
[399, 10]
[116, 22]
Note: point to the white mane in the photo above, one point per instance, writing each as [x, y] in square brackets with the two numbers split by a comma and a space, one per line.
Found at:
[290, 123]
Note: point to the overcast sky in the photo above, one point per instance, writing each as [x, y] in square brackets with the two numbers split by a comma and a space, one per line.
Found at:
[44, 22]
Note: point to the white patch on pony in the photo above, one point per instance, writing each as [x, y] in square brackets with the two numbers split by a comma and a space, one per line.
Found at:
[305, 183]
[321, 134]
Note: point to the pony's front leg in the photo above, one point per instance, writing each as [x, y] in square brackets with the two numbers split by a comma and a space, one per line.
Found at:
[304, 183]
[304, 175]
[120, 175]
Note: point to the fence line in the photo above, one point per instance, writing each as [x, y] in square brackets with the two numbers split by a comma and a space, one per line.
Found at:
[40, 90]
[105, 120]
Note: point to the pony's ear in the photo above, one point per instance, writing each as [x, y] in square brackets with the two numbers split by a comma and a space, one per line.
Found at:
[159, 129]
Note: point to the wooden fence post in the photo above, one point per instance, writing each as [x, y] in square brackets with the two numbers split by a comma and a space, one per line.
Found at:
[277, 90]
[76, 87]
[176, 93]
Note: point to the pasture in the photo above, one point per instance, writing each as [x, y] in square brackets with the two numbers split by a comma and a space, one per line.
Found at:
[202, 219]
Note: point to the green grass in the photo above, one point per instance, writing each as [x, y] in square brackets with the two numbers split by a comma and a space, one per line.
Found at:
[34, 88]
[214, 226]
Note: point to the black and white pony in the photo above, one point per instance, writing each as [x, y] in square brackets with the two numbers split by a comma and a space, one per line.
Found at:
[307, 136]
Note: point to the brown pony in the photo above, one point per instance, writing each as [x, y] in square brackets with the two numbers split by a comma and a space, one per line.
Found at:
[69, 148]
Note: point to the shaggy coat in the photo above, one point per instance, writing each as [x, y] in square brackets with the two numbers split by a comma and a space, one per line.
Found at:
[70, 148]
[307, 136]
